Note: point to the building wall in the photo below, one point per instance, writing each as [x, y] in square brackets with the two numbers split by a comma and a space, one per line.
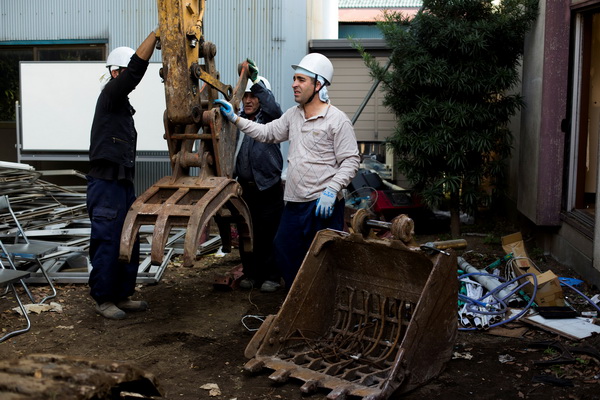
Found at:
[539, 144]
[525, 161]
[351, 85]
[122, 23]
[271, 32]
[540, 141]
[538, 166]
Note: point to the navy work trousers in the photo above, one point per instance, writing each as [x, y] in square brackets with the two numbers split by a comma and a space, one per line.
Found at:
[265, 208]
[297, 229]
[107, 203]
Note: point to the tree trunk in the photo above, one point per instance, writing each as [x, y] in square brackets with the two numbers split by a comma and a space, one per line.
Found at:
[454, 215]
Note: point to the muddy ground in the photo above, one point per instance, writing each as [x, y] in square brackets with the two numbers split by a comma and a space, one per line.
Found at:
[193, 335]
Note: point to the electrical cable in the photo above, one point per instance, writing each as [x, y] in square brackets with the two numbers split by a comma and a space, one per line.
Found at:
[258, 317]
[500, 300]
[581, 294]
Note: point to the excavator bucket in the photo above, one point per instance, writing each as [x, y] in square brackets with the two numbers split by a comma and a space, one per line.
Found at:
[198, 138]
[365, 318]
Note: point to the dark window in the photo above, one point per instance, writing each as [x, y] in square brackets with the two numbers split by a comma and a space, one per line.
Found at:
[69, 54]
[9, 84]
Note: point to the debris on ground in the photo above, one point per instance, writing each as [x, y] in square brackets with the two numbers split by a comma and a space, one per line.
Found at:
[213, 389]
[39, 308]
[513, 288]
[191, 323]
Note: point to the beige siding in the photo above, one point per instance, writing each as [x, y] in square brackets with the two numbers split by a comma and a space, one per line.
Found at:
[351, 83]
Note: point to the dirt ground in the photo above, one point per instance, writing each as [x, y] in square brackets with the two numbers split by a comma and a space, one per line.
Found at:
[193, 334]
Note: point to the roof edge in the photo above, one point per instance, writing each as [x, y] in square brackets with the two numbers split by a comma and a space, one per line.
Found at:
[343, 47]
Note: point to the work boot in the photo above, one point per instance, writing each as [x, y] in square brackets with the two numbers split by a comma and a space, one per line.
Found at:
[132, 305]
[247, 284]
[110, 311]
[269, 286]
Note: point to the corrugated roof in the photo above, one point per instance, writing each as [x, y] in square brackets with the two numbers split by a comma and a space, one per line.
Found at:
[379, 3]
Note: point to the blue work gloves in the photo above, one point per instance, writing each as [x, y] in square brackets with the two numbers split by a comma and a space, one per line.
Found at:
[227, 110]
[253, 69]
[325, 203]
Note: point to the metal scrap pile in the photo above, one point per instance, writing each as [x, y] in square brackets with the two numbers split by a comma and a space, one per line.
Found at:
[43, 208]
[50, 212]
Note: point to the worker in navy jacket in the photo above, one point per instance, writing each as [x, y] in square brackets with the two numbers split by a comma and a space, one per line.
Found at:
[258, 170]
[110, 190]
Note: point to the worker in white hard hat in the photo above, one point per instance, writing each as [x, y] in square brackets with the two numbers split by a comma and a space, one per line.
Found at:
[323, 158]
[258, 170]
[110, 190]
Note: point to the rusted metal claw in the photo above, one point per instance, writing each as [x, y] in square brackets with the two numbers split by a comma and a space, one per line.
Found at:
[192, 121]
[189, 202]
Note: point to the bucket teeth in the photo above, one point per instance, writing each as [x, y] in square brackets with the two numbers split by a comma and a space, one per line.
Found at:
[339, 393]
[310, 386]
[281, 375]
[254, 365]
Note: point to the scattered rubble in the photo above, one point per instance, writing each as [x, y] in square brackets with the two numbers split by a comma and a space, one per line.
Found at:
[534, 355]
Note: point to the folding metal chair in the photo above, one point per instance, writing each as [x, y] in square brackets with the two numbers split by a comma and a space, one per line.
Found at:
[9, 277]
[29, 252]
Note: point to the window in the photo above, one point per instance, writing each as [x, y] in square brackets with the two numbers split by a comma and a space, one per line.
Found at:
[9, 84]
[10, 56]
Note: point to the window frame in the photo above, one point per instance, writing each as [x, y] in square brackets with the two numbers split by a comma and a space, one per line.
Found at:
[37, 46]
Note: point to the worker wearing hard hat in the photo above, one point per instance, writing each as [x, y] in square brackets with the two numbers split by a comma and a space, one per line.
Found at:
[110, 190]
[258, 170]
[323, 157]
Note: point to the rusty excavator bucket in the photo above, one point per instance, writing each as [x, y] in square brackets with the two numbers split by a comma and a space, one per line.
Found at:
[365, 318]
[197, 136]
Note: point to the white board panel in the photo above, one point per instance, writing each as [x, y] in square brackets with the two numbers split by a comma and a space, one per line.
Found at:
[58, 101]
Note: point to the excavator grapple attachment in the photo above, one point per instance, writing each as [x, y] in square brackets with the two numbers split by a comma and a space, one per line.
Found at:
[198, 138]
[364, 318]
[189, 202]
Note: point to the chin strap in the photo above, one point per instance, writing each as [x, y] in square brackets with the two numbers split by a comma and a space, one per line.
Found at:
[316, 91]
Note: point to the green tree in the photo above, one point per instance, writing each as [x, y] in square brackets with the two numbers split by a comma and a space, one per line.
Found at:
[453, 67]
[9, 89]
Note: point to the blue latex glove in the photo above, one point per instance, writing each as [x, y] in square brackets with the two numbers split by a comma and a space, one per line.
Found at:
[325, 203]
[227, 110]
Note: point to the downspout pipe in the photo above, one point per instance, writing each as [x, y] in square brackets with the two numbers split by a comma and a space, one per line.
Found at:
[369, 94]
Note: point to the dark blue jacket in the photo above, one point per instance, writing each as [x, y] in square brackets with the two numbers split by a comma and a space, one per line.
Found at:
[265, 159]
[113, 137]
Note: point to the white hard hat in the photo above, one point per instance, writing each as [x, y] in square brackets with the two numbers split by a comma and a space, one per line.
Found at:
[263, 79]
[317, 64]
[119, 57]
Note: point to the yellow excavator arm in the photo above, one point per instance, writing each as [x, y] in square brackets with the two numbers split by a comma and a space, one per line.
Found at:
[197, 136]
